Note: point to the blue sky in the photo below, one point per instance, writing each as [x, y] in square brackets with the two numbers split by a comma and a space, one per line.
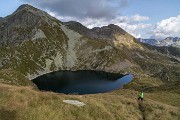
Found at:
[141, 18]
[156, 9]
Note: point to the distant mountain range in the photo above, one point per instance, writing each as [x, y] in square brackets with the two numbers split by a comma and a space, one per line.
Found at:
[169, 41]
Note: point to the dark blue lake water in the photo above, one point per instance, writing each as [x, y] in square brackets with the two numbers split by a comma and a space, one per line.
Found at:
[81, 82]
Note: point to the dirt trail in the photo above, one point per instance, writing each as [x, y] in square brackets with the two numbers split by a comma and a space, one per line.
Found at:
[141, 108]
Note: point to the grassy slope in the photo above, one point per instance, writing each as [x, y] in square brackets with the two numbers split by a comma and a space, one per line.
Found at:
[31, 55]
[13, 77]
[26, 103]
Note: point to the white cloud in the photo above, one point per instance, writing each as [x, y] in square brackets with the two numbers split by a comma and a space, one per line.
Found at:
[139, 18]
[135, 29]
[129, 23]
[61, 18]
[167, 27]
[82, 8]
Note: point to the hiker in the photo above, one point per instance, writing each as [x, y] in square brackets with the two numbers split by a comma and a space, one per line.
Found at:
[140, 96]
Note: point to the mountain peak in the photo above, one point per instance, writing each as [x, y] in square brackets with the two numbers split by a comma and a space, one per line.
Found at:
[27, 19]
[76, 26]
[30, 10]
[27, 15]
[25, 7]
[113, 26]
[72, 23]
[114, 29]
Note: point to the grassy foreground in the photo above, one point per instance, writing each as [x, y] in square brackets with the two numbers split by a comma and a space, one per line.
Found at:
[27, 103]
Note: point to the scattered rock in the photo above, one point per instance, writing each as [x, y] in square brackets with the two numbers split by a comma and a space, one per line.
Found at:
[74, 102]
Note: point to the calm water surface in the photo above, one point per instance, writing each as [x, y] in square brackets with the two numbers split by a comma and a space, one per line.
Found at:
[81, 82]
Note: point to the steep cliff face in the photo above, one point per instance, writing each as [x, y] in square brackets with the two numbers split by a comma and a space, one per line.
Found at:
[34, 43]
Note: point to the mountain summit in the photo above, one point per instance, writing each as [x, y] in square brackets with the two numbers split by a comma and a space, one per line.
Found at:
[23, 25]
[26, 6]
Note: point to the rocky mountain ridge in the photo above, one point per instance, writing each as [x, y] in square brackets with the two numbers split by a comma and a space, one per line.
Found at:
[112, 33]
[104, 33]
